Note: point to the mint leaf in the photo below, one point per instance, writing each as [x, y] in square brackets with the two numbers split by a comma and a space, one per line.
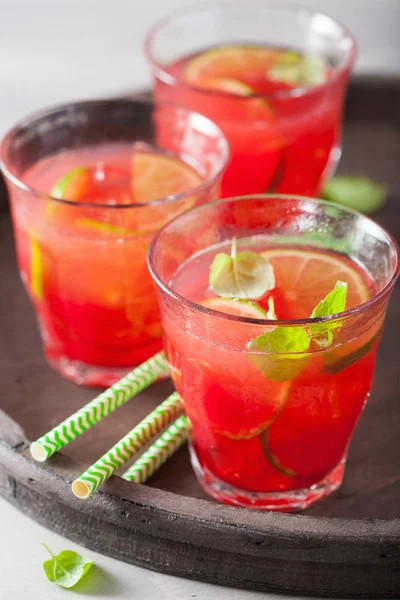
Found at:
[279, 353]
[332, 304]
[241, 275]
[360, 193]
[67, 568]
[282, 340]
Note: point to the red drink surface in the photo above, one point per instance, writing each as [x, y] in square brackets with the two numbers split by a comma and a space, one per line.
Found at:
[259, 433]
[280, 142]
[84, 265]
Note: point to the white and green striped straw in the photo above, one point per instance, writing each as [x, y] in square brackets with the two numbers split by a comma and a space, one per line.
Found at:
[98, 408]
[131, 443]
[158, 453]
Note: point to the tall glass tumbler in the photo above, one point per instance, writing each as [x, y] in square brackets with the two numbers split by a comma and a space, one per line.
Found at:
[272, 424]
[89, 185]
[212, 57]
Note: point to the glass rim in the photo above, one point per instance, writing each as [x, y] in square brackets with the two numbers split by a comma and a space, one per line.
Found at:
[160, 72]
[279, 322]
[36, 116]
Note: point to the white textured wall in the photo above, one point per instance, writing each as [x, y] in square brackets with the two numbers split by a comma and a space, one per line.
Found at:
[56, 50]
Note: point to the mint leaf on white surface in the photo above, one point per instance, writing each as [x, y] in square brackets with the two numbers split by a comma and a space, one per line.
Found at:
[66, 568]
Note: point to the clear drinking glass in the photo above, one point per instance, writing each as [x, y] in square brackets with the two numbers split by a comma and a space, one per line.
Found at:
[286, 139]
[82, 258]
[271, 429]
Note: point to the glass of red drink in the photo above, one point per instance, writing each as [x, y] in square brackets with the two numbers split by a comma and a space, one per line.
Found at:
[89, 184]
[273, 75]
[272, 423]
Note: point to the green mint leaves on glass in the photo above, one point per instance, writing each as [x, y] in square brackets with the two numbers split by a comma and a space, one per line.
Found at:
[243, 275]
[359, 193]
[332, 304]
[282, 340]
[284, 347]
[278, 353]
[66, 568]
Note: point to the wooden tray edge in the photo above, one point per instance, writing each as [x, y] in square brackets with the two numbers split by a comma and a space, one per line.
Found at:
[147, 527]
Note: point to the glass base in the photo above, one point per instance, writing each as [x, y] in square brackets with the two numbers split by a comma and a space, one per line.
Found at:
[89, 375]
[84, 374]
[285, 501]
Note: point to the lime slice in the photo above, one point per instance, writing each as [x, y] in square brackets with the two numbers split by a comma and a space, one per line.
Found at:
[272, 458]
[72, 186]
[230, 86]
[338, 359]
[239, 62]
[149, 176]
[239, 308]
[303, 277]
[298, 70]
[156, 176]
[359, 193]
[37, 286]
[103, 227]
[235, 70]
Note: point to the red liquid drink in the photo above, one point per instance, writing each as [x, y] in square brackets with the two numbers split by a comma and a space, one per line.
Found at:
[280, 106]
[84, 224]
[271, 428]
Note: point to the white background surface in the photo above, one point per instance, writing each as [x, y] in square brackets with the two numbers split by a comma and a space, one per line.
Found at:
[58, 50]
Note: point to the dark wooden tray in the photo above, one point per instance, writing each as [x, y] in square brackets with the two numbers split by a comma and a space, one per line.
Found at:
[349, 545]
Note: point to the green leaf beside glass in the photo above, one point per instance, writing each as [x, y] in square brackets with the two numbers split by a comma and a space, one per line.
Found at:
[359, 193]
[67, 568]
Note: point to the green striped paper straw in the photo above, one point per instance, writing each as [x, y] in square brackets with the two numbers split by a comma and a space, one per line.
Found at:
[131, 443]
[98, 408]
[159, 452]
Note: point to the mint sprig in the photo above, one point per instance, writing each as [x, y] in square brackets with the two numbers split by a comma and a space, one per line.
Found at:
[280, 353]
[283, 340]
[66, 568]
[332, 304]
[243, 275]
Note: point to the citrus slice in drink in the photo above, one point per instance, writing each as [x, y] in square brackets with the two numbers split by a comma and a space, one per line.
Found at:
[74, 186]
[239, 308]
[156, 176]
[304, 277]
[237, 72]
[309, 435]
[36, 270]
[247, 64]
[147, 177]
[236, 406]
